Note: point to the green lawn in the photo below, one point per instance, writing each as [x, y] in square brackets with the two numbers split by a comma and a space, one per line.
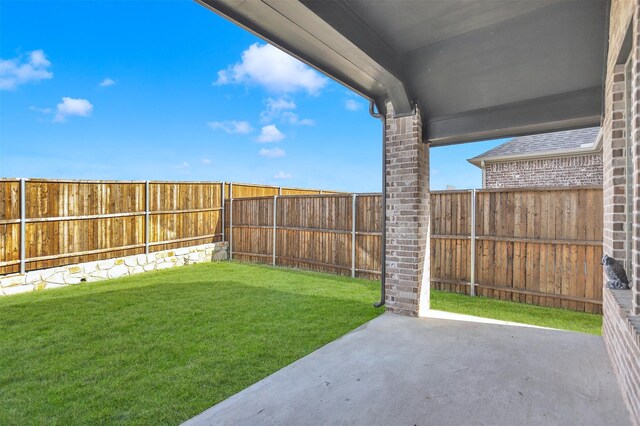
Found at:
[517, 312]
[160, 347]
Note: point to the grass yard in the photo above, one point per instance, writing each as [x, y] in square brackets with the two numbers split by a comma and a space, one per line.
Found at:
[562, 319]
[160, 347]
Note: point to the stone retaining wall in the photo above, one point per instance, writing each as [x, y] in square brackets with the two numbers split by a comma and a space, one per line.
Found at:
[111, 268]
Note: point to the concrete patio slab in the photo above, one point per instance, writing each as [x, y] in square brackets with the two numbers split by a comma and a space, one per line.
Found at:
[444, 370]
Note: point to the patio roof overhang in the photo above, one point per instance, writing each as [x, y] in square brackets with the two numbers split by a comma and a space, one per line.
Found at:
[477, 69]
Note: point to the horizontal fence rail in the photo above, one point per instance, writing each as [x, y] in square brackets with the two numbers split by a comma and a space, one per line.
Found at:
[46, 223]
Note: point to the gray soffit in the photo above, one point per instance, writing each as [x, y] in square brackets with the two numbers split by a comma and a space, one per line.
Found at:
[478, 69]
[564, 143]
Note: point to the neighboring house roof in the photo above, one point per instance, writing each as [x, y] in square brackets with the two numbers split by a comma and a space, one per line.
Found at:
[569, 142]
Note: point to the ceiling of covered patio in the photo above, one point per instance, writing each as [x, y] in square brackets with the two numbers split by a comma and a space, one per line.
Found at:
[477, 69]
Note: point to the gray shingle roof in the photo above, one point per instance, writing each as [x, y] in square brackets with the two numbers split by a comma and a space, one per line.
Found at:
[545, 142]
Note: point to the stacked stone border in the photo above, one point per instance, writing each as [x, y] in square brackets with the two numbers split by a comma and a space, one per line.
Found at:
[111, 268]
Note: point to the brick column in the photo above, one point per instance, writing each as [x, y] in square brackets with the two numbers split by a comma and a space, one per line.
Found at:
[634, 131]
[614, 168]
[407, 187]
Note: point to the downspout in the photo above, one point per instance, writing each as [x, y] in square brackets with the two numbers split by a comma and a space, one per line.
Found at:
[383, 257]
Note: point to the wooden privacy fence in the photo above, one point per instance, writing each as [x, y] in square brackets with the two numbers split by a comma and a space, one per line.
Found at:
[536, 246]
[337, 233]
[539, 246]
[46, 223]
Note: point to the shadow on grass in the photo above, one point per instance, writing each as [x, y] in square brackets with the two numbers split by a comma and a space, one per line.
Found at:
[159, 353]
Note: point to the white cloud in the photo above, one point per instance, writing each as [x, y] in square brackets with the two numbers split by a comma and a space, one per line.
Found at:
[352, 105]
[293, 118]
[24, 69]
[70, 107]
[270, 133]
[272, 152]
[241, 127]
[267, 66]
[275, 108]
[206, 161]
[281, 108]
[37, 58]
[107, 82]
[40, 110]
[282, 175]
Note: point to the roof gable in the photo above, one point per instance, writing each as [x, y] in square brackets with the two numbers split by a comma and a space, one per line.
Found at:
[567, 141]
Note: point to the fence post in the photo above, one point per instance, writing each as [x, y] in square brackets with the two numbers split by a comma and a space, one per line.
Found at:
[23, 232]
[353, 235]
[146, 217]
[275, 226]
[472, 290]
[230, 221]
[222, 185]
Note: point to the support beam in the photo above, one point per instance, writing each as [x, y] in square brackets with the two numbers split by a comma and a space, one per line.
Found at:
[407, 221]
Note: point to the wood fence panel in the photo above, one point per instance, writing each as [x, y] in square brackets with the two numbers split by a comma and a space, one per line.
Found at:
[295, 191]
[369, 213]
[72, 221]
[9, 228]
[314, 250]
[368, 236]
[247, 190]
[314, 232]
[541, 246]
[47, 199]
[328, 212]
[450, 244]
[241, 190]
[368, 250]
[63, 228]
[56, 243]
[9, 199]
[191, 228]
[172, 196]
[253, 229]
[184, 214]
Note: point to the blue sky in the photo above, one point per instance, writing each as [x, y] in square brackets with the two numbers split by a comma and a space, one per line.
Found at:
[168, 90]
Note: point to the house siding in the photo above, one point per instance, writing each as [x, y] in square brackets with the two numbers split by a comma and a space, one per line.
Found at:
[584, 170]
